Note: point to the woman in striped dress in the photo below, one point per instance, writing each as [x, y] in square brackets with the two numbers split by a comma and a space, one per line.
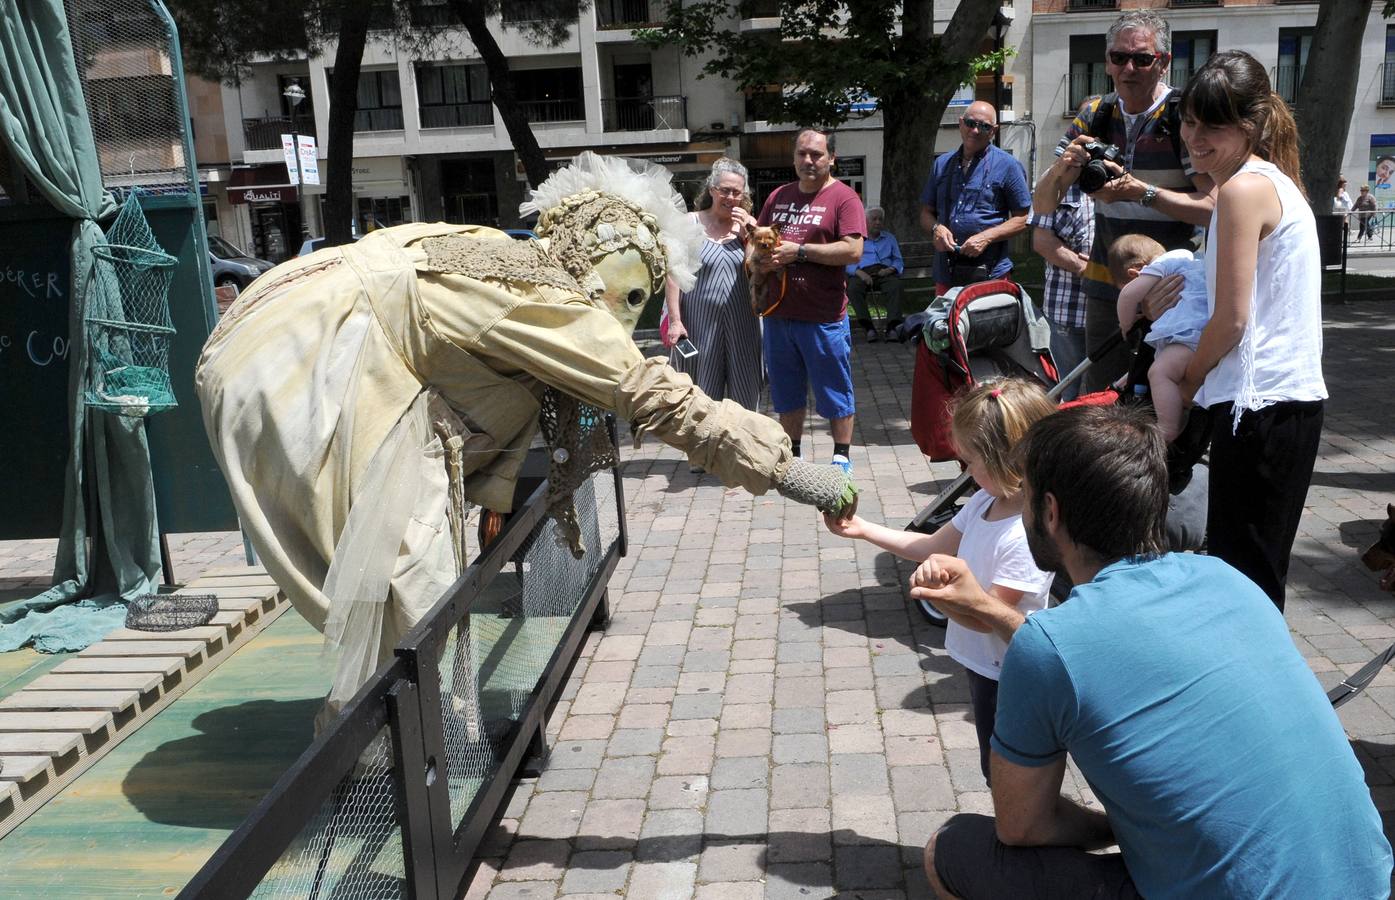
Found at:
[716, 314]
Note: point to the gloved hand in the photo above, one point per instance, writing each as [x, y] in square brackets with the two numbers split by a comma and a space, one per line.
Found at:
[827, 488]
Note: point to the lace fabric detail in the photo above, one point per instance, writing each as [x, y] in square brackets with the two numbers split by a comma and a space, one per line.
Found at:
[579, 443]
[589, 225]
[501, 259]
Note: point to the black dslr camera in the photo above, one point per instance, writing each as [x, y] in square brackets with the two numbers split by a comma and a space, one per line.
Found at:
[1096, 174]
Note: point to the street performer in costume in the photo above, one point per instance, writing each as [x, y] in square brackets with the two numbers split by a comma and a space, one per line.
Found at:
[359, 399]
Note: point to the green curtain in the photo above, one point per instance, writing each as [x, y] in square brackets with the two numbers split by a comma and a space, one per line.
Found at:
[110, 543]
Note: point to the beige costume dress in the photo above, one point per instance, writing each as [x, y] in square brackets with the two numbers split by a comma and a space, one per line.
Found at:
[340, 386]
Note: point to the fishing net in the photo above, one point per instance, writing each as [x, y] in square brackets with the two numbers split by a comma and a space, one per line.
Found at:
[170, 612]
[128, 319]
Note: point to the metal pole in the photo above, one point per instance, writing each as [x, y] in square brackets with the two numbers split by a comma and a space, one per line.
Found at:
[299, 179]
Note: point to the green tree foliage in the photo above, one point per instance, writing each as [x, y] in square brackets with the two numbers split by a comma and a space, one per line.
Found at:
[221, 39]
[828, 56]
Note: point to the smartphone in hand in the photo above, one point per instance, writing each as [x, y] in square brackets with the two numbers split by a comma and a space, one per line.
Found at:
[686, 348]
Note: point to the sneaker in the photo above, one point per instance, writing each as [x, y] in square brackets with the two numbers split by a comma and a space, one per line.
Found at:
[872, 337]
[697, 470]
[842, 462]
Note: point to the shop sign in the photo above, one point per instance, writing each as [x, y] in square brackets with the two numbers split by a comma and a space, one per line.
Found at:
[273, 194]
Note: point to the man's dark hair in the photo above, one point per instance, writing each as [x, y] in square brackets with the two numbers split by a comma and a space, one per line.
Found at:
[1107, 468]
[828, 135]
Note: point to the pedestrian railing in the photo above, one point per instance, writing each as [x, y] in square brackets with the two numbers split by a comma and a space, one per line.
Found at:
[396, 794]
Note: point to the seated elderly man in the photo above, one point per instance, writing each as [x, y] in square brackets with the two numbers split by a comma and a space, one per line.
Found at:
[359, 398]
[1172, 682]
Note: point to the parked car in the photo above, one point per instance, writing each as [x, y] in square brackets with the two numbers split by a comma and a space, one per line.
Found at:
[231, 265]
[313, 244]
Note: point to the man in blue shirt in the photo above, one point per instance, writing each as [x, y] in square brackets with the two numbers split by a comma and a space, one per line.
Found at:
[974, 200]
[1172, 682]
[879, 269]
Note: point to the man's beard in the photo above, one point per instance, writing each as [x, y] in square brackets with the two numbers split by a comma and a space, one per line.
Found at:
[1045, 553]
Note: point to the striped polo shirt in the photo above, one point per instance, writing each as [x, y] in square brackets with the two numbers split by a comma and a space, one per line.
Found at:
[1151, 157]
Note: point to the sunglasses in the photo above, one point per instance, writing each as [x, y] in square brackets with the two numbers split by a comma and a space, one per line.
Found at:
[1139, 60]
[976, 125]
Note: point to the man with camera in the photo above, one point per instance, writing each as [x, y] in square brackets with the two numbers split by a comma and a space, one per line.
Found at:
[974, 200]
[1125, 150]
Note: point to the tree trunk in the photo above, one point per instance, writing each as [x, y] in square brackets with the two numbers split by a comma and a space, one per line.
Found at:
[1327, 97]
[343, 107]
[908, 140]
[501, 86]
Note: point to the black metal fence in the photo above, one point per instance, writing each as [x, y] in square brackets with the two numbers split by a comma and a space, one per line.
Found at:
[265, 133]
[394, 797]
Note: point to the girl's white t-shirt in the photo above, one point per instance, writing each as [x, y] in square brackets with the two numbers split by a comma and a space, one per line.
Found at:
[996, 553]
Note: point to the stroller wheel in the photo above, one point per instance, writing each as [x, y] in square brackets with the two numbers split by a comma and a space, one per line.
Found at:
[931, 614]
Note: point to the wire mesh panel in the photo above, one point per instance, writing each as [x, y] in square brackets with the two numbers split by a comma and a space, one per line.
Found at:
[127, 61]
[352, 848]
[494, 659]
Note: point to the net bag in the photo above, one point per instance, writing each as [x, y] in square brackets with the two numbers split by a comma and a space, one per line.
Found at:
[170, 612]
[128, 319]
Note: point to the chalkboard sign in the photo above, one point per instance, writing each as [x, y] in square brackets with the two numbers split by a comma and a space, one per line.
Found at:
[34, 307]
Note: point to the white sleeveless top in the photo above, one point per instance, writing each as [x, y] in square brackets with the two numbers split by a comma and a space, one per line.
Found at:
[1279, 357]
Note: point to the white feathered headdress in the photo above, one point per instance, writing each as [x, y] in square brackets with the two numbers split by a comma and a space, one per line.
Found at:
[646, 186]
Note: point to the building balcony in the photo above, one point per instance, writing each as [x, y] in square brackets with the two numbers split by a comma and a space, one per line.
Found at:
[1184, 4]
[570, 109]
[265, 133]
[1091, 5]
[456, 115]
[644, 113]
[616, 15]
[1387, 85]
[760, 15]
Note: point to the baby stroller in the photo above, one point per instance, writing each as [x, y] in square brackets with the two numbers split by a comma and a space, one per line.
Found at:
[992, 330]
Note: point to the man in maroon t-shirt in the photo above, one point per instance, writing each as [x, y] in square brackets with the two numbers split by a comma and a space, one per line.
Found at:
[806, 337]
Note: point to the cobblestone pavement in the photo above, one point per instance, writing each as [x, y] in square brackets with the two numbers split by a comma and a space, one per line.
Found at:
[766, 718]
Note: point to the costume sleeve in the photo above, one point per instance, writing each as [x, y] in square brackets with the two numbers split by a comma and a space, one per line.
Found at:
[585, 352]
[1037, 707]
[742, 448]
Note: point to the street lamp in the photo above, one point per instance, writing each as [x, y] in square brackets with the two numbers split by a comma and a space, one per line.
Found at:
[295, 94]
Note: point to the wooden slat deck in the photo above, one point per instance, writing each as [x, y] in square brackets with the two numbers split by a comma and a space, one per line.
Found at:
[54, 728]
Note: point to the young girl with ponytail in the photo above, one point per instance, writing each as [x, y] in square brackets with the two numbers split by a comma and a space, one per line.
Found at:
[1258, 362]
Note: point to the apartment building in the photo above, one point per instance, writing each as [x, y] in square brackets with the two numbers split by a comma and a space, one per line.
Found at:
[429, 145]
[1067, 39]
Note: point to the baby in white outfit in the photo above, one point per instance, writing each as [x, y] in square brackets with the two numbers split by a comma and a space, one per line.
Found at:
[1137, 263]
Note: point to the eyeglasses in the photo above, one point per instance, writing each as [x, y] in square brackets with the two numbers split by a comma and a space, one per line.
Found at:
[976, 125]
[729, 192]
[1139, 60]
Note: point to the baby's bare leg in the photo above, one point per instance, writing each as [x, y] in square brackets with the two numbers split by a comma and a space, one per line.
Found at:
[1164, 376]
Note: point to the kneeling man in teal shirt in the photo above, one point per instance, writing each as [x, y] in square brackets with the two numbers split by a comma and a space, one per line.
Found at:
[1172, 682]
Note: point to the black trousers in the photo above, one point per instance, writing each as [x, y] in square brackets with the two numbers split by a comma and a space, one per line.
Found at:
[983, 696]
[1259, 483]
[890, 286]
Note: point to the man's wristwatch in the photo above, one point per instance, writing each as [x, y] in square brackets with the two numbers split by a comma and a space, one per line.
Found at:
[1150, 194]
[801, 254]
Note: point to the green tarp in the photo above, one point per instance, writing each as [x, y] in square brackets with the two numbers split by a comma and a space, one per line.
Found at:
[109, 544]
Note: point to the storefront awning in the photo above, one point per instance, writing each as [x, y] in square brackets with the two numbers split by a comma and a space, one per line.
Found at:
[261, 184]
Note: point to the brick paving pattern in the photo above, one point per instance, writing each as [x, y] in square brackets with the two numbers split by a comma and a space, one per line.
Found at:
[765, 717]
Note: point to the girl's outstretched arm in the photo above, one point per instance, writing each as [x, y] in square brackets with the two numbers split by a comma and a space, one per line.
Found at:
[911, 545]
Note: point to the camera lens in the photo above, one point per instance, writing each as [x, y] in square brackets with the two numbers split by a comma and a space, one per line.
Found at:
[1094, 176]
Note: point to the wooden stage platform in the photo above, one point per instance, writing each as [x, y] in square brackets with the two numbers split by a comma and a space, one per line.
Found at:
[136, 802]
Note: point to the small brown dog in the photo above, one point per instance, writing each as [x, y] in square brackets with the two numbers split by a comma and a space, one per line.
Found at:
[1380, 556]
[763, 239]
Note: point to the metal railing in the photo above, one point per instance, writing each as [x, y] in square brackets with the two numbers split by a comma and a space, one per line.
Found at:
[1077, 87]
[432, 15]
[1286, 80]
[1387, 84]
[265, 133]
[644, 113]
[456, 115]
[396, 794]
[570, 109]
[1076, 5]
[616, 14]
[760, 9]
[1180, 4]
[516, 11]
[383, 118]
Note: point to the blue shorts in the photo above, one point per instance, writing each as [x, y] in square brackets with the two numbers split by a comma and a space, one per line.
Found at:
[799, 354]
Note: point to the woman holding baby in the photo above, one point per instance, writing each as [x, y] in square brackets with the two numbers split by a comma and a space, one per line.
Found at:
[716, 314]
[1258, 361]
